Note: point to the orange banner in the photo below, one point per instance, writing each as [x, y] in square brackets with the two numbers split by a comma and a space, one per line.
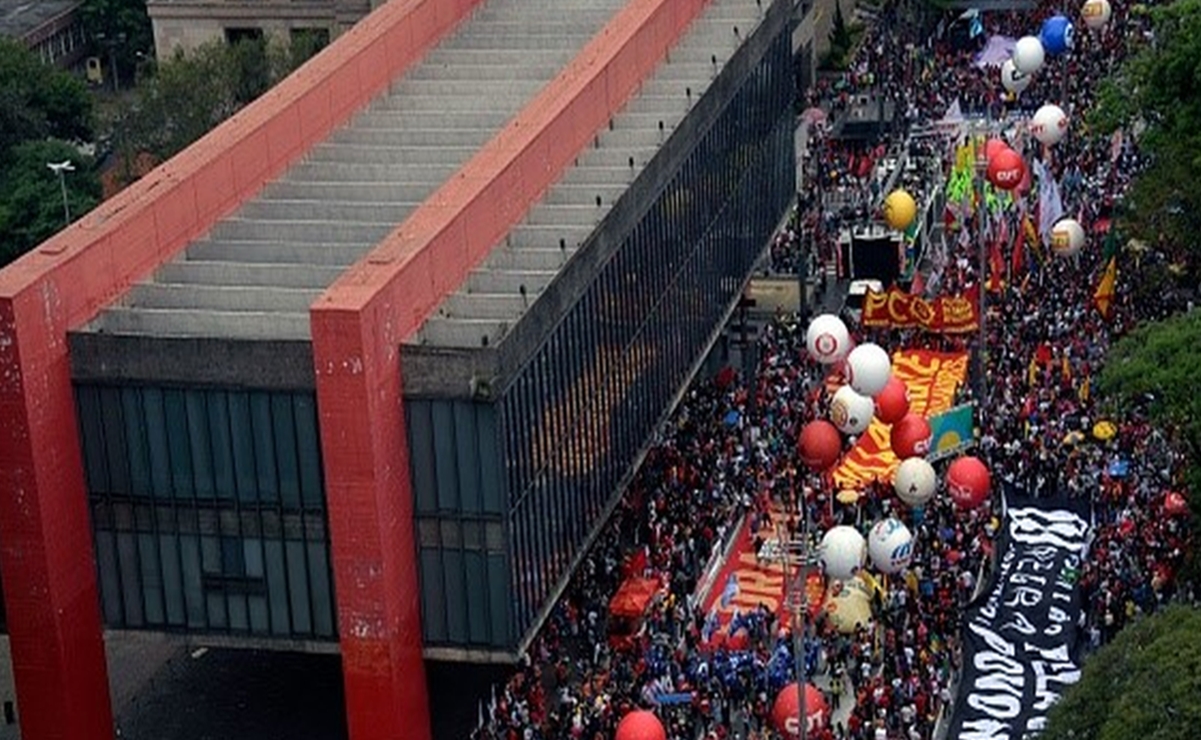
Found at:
[932, 379]
[897, 309]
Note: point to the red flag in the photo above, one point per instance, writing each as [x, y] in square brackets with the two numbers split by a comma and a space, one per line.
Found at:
[1017, 262]
[919, 283]
[996, 266]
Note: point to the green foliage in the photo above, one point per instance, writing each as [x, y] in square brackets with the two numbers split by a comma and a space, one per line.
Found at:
[190, 93]
[844, 38]
[1144, 684]
[31, 201]
[1157, 89]
[120, 26]
[38, 101]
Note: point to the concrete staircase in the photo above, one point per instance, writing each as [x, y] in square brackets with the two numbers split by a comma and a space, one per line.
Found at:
[514, 274]
[256, 273]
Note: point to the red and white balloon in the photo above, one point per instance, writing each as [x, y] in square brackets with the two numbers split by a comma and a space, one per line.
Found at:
[786, 711]
[910, 437]
[819, 445]
[640, 725]
[850, 411]
[892, 403]
[968, 482]
[1067, 237]
[1006, 169]
[1049, 124]
[915, 481]
[827, 339]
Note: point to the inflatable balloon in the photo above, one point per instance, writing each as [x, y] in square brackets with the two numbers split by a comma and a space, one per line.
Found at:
[899, 210]
[1057, 35]
[1049, 124]
[848, 605]
[893, 402]
[868, 369]
[968, 482]
[1067, 237]
[843, 550]
[1096, 13]
[993, 147]
[640, 725]
[1006, 169]
[1028, 55]
[915, 481]
[850, 411]
[910, 437]
[819, 445]
[890, 545]
[827, 339]
[786, 711]
[1013, 80]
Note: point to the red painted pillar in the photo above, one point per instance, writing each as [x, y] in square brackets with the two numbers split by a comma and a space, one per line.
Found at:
[46, 549]
[370, 505]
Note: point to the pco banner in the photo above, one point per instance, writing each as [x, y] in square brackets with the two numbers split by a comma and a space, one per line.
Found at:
[897, 309]
[1020, 636]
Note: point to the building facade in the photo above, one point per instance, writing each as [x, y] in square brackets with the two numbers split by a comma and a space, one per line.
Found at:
[186, 24]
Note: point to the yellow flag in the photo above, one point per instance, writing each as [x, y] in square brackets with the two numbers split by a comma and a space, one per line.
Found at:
[1103, 297]
[1086, 388]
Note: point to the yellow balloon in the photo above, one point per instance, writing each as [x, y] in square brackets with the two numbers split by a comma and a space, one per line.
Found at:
[899, 210]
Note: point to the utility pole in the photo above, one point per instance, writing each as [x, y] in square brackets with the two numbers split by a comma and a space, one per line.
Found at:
[61, 169]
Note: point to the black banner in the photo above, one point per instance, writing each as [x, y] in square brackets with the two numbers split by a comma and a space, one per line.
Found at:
[1021, 634]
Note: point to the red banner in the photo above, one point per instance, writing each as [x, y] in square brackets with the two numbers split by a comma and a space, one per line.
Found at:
[897, 309]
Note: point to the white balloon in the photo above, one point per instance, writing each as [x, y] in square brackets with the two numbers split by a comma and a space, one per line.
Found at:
[851, 412]
[1067, 237]
[890, 545]
[1013, 80]
[1049, 124]
[843, 551]
[827, 339]
[1028, 55]
[868, 369]
[1096, 13]
[915, 481]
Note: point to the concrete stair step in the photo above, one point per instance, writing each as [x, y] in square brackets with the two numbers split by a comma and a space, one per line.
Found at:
[186, 271]
[540, 236]
[325, 255]
[465, 333]
[174, 322]
[485, 305]
[326, 210]
[477, 120]
[495, 280]
[301, 232]
[528, 259]
[385, 154]
[430, 174]
[221, 297]
[401, 135]
[318, 190]
[582, 216]
[544, 71]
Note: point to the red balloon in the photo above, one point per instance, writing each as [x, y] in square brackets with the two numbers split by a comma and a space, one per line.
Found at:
[640, 725]
[968, 482]
[1006, 169]
[892, 403]
[820, 445]
[785, 712]
[1175, 504]
[910, 436]
[992, 147]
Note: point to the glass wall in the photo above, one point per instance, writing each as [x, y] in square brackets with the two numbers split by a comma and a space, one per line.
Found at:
[575, 417]
[459, 506]
[208, 509]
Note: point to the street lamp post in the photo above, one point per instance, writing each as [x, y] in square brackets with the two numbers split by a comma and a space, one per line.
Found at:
[61, 169]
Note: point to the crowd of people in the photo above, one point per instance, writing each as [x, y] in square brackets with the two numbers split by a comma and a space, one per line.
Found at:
[894, 677]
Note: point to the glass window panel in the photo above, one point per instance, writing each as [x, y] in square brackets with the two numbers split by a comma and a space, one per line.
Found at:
[221, 445]
[491, 488]
[110, 579]
[421, 455]
[116, 451]
[242, 445]
[263, 443]
[456, 596]
[287, 464]
[446, 474]
[131, 587]
[151, 577]
[433, 599]
[215, 608]
[175, 417]
[308, 437]
[256, 606]
[92, 431]
[135, 436]
[298, 587]
[192, 585]
[319, 588]
[172, 580]
[500, 599]
[467, 454]
[477, 598]
[199, 445]
[277, 587]
[239, 616]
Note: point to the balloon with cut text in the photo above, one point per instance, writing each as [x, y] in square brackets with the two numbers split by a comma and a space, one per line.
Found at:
[1028, 55]
[819, 445]
[1057, 35]
[786, 711]
[1012, 79]
[968, 482]
[993, 147]
[827, 339]
[1067, 237]
[915, 481]
[890, 545]
[1049, 124]
[1096, 13]
[851, 412]
[1006, 169]
[640, 725]
[868, 369]
[910, 436]
[843, 551]
[899, 210]
[892, 402]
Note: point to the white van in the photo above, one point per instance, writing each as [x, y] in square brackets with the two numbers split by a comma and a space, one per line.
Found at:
[857, 293]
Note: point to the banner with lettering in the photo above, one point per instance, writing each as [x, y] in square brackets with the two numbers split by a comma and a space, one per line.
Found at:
[932, 379]
[1020, 635]
[952, 431]
[897, 309]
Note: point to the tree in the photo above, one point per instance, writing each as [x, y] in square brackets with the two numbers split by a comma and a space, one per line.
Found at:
[1144, 684]
[121, 29]
[1155, 92]
[38, 101]
[31, 201]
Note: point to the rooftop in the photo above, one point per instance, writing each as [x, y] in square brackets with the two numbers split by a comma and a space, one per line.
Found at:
[18, 18]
